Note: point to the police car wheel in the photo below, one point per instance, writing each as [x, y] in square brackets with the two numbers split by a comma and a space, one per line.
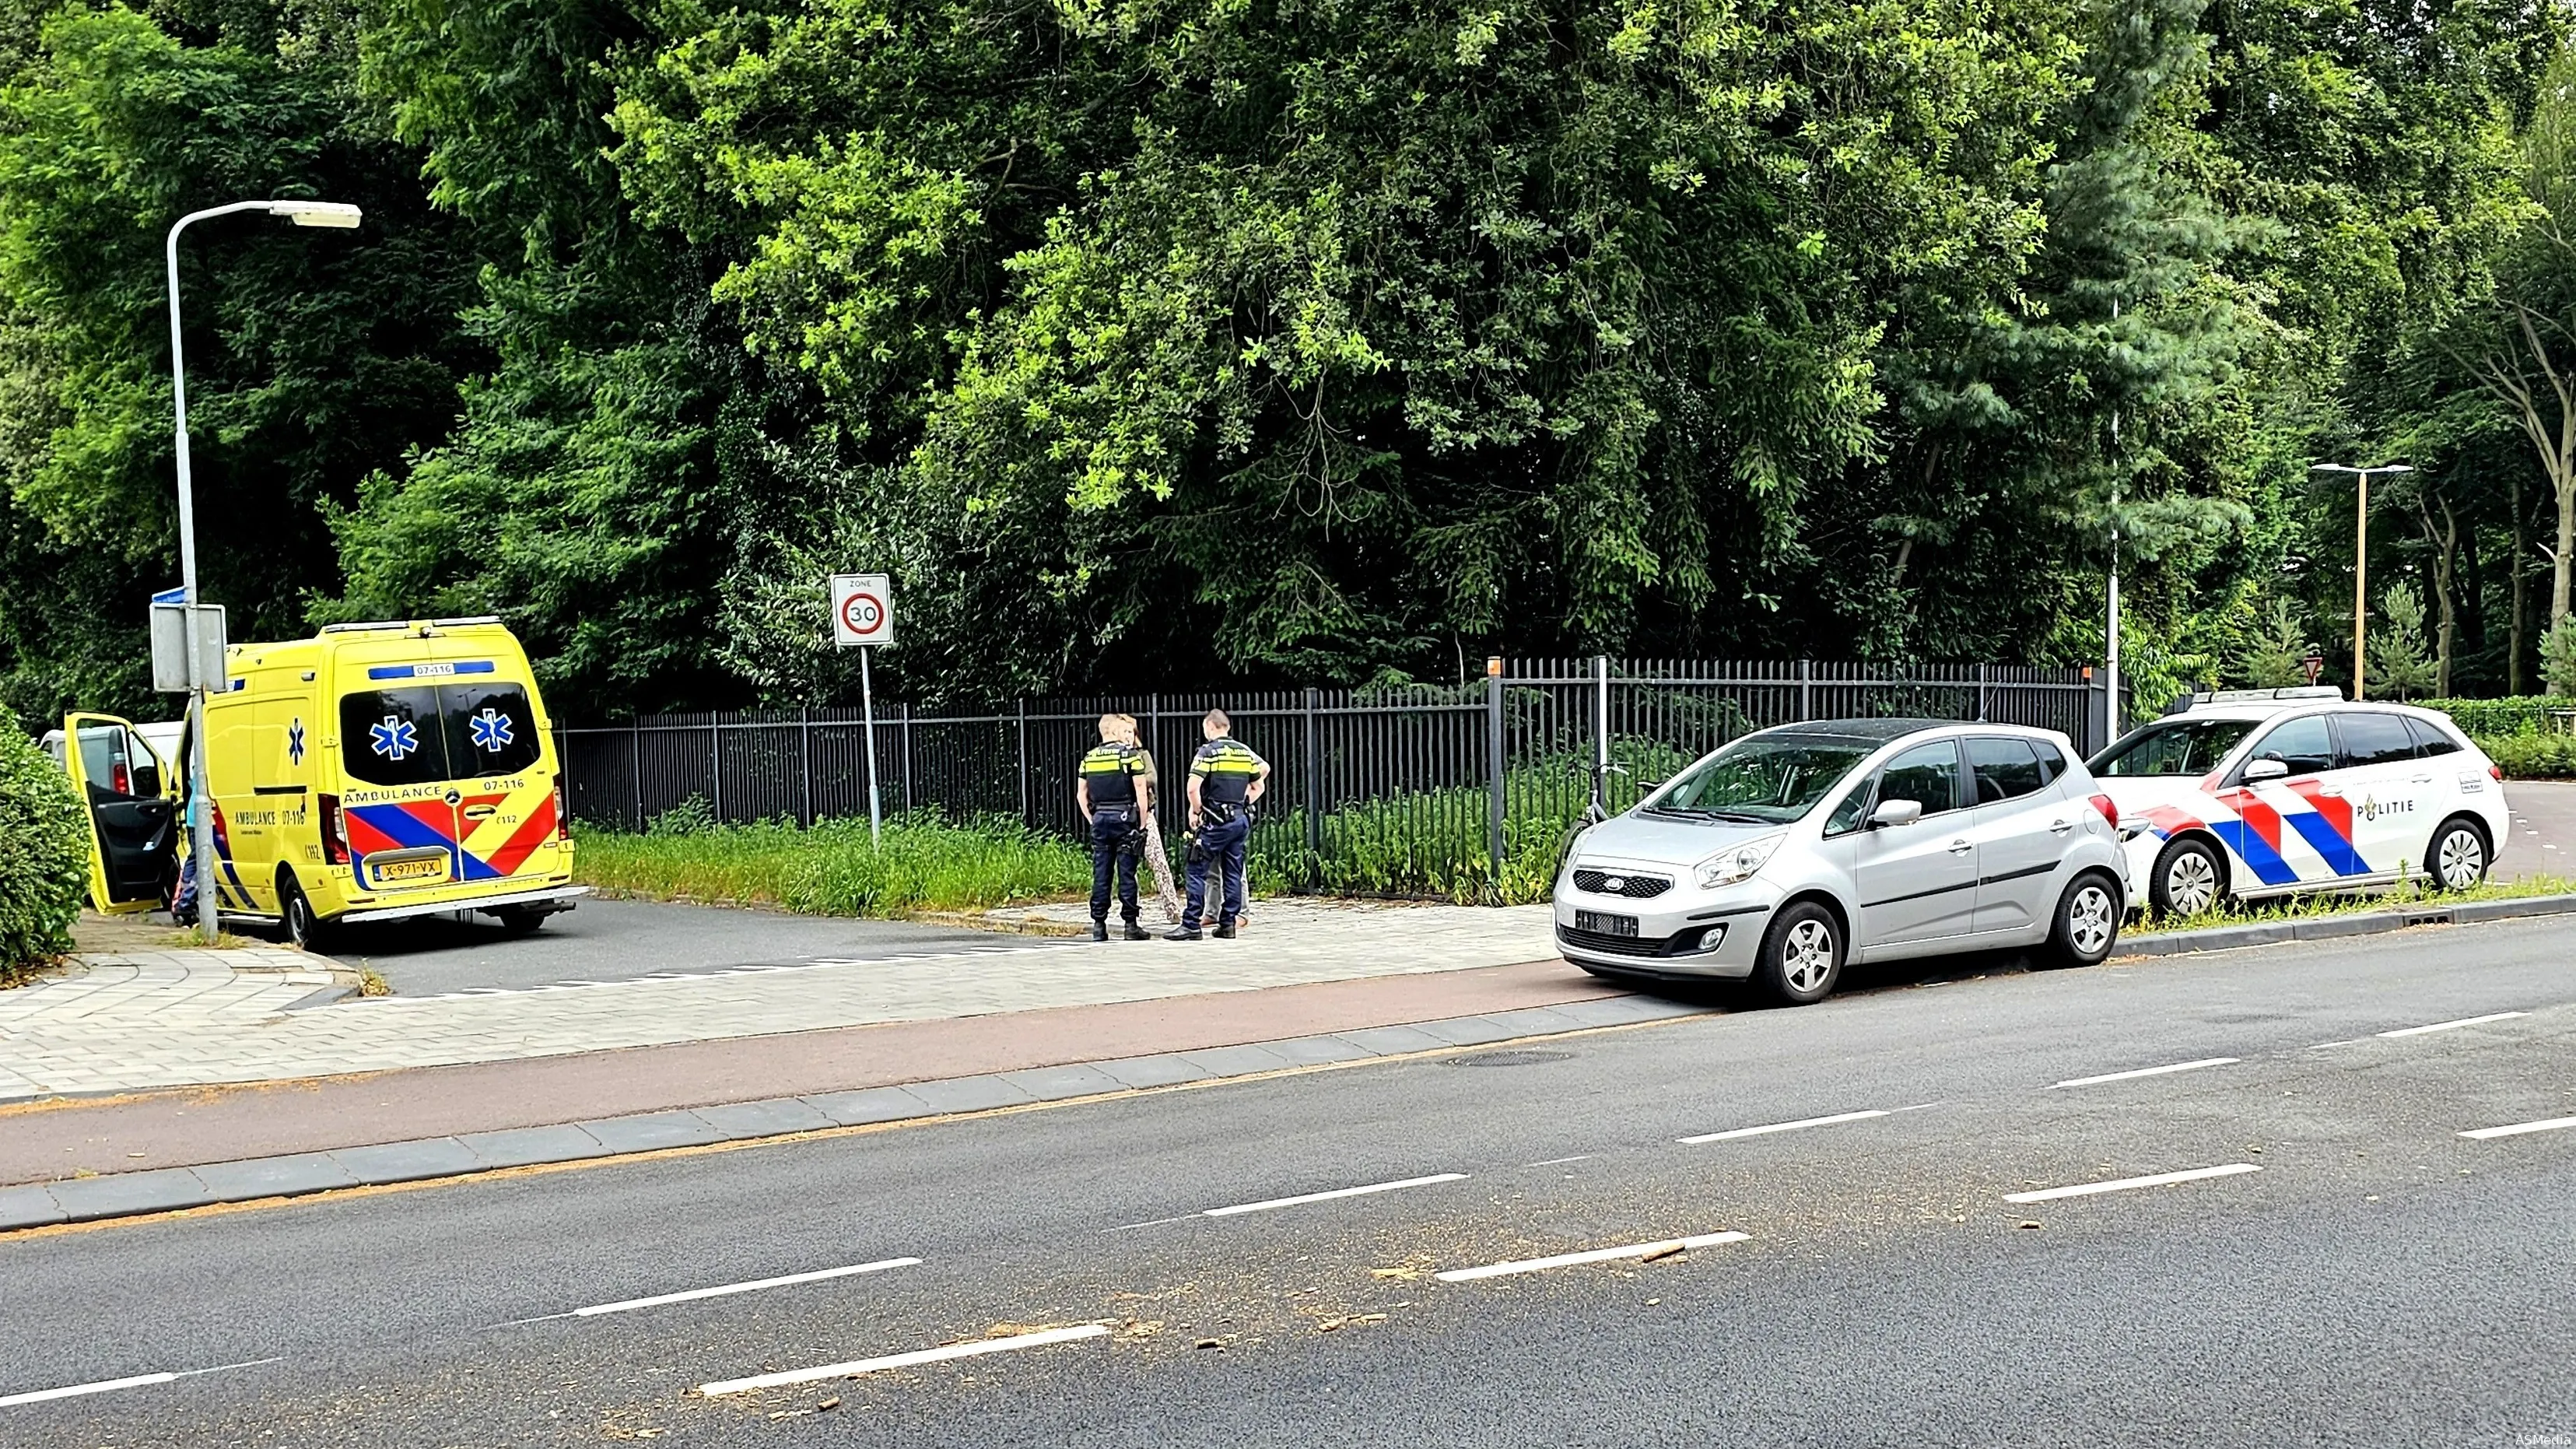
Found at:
[2188, 879]
[2458, 858]
[2088, 921]
[1802, 955]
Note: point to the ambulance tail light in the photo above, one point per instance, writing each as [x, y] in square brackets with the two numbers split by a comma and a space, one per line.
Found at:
[2110, 811]
[335, 834]
[563, 813]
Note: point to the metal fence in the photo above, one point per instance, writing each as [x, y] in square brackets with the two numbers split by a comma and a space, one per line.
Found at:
[1375, 789]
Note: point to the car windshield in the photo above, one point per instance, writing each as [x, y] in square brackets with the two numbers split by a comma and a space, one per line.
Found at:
[2180, 747]
[1769, 780]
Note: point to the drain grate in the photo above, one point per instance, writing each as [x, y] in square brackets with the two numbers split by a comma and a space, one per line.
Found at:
[1510, 1059]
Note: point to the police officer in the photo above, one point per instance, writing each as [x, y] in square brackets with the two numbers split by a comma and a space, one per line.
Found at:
[1226, 780]
[1113, 791]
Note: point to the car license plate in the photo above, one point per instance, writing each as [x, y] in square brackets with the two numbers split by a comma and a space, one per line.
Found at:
[1603, 924]
[408, 872]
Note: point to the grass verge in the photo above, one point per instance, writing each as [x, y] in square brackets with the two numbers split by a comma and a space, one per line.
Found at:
[926, 863]
[2417, 893]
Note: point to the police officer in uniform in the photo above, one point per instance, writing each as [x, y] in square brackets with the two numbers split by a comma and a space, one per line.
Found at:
[1226, 780]
[1112, 791]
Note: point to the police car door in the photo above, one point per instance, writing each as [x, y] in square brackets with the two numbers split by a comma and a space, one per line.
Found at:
[132, 824]
[2294, 826]
[2386, 787]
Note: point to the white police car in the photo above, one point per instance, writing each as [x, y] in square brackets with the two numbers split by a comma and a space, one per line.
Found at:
[2252, 793]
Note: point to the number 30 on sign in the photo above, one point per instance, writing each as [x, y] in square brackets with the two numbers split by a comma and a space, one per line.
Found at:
[862, 610]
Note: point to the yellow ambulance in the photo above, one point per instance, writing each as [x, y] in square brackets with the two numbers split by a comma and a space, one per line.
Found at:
[372, 772]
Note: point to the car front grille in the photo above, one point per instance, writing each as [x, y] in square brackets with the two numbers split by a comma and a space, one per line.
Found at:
[1611, 945]
[1634, 887]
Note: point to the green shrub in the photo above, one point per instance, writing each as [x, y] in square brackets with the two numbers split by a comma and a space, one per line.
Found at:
[44, 854]
[2531, 757]
[2525, 714]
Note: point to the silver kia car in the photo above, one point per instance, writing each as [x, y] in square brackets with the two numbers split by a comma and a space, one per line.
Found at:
[1789, 851]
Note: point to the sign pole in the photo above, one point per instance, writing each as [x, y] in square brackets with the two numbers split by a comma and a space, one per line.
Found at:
[868, 712]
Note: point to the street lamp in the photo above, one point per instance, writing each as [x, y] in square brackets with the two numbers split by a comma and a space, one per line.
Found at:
[2360, 556]
[201, 814]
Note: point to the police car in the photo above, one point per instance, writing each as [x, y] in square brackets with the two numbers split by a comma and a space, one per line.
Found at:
[2251, 793]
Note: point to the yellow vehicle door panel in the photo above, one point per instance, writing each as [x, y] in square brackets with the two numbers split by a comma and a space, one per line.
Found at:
[133, 825]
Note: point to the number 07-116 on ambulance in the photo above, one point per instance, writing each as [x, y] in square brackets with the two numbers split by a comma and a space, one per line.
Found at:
[372, 772]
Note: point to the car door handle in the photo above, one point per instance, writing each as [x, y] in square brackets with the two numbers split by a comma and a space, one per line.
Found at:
[2423, 779]
[1959, 847]
[2060, 827]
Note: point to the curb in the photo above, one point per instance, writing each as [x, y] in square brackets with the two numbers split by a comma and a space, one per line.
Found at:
[2325, 928]
[173, 1189]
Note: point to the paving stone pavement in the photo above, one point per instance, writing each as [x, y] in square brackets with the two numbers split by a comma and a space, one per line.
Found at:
[183, 1018]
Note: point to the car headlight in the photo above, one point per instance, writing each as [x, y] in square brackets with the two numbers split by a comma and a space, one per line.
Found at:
[1739, 862]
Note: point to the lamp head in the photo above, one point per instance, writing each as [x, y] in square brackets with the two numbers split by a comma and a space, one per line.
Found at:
[338, 214]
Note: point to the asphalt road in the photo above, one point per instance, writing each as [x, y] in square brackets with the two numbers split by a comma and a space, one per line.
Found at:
[2360, 1274]
[614, 940]
[2544, 830]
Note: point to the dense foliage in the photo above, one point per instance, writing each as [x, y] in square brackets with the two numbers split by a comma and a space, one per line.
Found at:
[1314, 340]
[44, 854]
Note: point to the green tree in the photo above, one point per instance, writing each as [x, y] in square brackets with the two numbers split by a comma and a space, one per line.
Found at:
[313, 357]
[44, 854]
[2400, 664]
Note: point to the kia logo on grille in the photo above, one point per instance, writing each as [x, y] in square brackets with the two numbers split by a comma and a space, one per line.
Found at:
[1614, 883]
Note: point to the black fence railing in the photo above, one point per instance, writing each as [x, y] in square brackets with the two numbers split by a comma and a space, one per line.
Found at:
[1381, 789]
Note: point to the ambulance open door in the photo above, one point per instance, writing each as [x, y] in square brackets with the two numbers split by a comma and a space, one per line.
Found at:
[133, 821]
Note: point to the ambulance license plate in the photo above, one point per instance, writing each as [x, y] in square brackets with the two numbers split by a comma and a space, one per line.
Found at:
[1605, 925]
[407, 872]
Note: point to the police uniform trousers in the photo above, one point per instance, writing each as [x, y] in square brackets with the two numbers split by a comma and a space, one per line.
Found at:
[1115, 845]
[1220, 849]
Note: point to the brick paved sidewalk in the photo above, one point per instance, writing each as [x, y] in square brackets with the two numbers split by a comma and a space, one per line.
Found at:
[183, 1018]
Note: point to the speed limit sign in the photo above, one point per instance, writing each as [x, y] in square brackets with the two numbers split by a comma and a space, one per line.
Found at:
[862, 610]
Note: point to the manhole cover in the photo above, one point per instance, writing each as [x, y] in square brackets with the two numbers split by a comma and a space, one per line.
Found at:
[1510, 1059]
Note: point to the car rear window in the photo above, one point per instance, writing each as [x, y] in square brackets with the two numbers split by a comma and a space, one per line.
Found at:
[2372, 738]
[2431, 738]
[2005, 769]
[424, 734]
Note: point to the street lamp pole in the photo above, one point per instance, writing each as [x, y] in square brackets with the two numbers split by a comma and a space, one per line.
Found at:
[201, 816]
[2360, 558]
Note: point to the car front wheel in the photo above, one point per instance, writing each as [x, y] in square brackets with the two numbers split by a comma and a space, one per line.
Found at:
[2188, 879]
[2088, 921]
[1802, 955]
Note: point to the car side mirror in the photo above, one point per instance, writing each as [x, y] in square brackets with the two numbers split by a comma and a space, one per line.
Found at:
[2262, 770]
[1895, 812]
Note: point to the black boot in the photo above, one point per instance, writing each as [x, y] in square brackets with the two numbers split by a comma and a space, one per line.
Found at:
[1225, 931]
[1180, 933]
[1137, 933]
[1100, 930]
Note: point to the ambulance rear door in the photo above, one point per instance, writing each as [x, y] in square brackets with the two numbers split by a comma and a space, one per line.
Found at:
[133, 823]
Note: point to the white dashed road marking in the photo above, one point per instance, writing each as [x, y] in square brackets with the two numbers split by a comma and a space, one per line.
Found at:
[2448, 1025]
[2517, 1129]
[1307, 1197]
[104, 1386]
[1770, 1127]
[1596, 1255]
[2087, 1189]
[2150, 1072]
[728, 1289]
[856, 1367]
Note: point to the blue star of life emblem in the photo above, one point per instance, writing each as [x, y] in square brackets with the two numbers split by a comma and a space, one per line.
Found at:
[393, 739]
[295, 742]
[491, 730]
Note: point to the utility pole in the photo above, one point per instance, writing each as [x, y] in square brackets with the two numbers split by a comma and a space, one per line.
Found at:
[2360, 559]
[201, 805]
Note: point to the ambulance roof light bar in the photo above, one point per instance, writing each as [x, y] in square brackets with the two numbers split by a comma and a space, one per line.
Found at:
[405, 624]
